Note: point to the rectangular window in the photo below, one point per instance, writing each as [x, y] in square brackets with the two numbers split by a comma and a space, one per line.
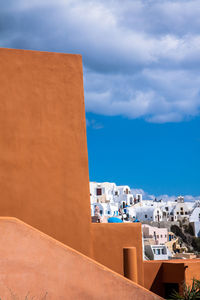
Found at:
[166, 208]
[99, 191]
[158, 251]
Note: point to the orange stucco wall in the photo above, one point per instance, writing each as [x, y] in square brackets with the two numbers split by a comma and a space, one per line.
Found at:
[33, 263]
[192, 269]
[44, 177]
[156, 273]
[109, 240]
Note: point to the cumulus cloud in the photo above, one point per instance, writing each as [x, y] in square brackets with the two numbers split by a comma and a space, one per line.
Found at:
[165, 197]
[141, 58]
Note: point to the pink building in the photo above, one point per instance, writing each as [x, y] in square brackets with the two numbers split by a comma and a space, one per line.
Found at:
[157, 234]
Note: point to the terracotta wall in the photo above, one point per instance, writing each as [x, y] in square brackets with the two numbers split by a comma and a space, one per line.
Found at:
[192, 269]
[33, 263]
[44, 177]
[156, 273]
[109, 240]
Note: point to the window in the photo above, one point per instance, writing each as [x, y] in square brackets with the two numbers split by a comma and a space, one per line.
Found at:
[158, 251]
[145, 216]
[108, 212]
[116, 193]
[181, 208]
[177, 213]
[166, 208]
[101, 211]
[182, 213]
[157, 236]
[165, 235]
[154, 251]
[161, 235]
[163, 252]
[186, 213]
[131, 200]
[99, 191]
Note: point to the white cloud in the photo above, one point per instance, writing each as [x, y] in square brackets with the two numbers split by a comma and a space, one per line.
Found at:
[165, 197]
[141, 58]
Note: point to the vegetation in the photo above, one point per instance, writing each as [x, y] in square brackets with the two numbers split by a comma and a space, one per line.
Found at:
[178, 232]
[188, 292]
[186, 234]
[196, 243]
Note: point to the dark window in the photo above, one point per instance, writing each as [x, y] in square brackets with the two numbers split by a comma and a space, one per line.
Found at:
[161, 235]
[177, 213]
[162, 250]
[182, 213]
[186, 213]
[108, 212]
[181, 208]
[101, 211]
[145, 216]
[99, 191]
[166, 208]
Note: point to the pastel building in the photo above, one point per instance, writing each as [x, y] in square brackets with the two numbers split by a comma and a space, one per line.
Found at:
[159, 235]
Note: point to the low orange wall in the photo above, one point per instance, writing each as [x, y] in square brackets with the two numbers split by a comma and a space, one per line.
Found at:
[192, 269]
[36, 265]
[170, 271]
[109, 240]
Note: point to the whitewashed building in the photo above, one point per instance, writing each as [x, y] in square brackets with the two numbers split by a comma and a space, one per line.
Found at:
[148, 213]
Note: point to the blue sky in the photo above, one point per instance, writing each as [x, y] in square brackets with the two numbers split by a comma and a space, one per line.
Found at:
[141, 77]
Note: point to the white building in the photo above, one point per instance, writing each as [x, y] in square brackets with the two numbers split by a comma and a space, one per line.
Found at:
[105, 209]
[157, 252]
[195, 221]
[181, 209]
[148, 213]
[102, 192]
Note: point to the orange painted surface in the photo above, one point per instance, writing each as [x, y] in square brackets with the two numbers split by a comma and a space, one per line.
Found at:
[110, 239]
[192, 269]
[44, 177]
[156, 273]
[152, 271]
[32, 262]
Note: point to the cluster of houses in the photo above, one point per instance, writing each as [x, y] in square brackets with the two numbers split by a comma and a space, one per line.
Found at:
[112, 203]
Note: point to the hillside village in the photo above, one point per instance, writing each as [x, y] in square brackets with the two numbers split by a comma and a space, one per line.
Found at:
[170, 229]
